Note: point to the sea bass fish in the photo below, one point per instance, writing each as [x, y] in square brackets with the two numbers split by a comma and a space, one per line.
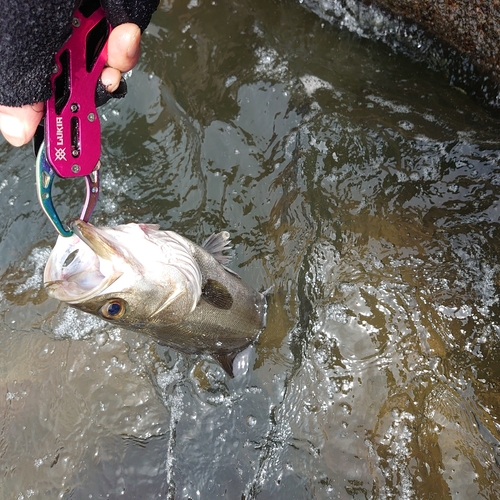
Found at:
[157, 282]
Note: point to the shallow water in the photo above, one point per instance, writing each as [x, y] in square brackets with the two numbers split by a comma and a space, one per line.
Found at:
[356, 181]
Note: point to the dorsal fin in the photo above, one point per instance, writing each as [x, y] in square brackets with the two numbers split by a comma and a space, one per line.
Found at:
[226, 361]
[217, 243]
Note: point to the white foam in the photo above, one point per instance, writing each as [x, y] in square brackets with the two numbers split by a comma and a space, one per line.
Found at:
[37, 259]
[313, 83]
[270, 64]
[77, 325]
[396, 108]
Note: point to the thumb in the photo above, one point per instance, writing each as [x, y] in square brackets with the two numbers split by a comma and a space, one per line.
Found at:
[18, 125]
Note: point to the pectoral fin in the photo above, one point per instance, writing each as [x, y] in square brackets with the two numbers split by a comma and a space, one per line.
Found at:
[217, 294]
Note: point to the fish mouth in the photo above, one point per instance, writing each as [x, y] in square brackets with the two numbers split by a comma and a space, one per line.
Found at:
[82, 266]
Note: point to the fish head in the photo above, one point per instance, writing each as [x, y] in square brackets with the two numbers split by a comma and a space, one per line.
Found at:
[122, 275]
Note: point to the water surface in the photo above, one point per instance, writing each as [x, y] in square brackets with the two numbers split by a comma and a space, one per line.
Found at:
[356, 181]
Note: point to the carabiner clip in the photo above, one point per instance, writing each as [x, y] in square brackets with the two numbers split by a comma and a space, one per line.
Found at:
[45, 174]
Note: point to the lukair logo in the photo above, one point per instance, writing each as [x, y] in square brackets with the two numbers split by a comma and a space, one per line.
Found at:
[60, 153]
[59, 131]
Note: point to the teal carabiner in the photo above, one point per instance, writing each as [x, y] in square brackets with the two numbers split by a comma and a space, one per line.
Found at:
[44, 178]
[45, 174]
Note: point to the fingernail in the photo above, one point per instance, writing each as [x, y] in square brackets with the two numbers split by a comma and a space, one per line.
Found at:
[12, 129]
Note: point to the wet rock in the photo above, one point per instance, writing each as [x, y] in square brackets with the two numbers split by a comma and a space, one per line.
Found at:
[470, 26]
[461, 37]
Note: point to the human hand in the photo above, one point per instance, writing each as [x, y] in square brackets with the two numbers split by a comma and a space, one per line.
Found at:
[18, 124]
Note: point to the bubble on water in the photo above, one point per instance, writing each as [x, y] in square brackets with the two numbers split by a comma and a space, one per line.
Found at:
[77, 325]
[251, 420]
[337, 313]
[230, 80]
[406, 125]
[270, 64]
[396, 108]
[397, 439]
[313, 83]
[101, 338]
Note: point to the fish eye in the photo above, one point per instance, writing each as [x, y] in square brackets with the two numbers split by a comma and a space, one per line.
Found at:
[113, 309]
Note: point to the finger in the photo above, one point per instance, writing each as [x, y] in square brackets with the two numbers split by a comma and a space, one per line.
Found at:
[124, 47]
[110, 78]
[18, 125]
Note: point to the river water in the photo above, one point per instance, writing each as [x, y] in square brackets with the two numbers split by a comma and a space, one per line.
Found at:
[356, 181]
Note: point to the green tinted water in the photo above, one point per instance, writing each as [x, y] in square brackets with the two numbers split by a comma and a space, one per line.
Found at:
[359, 184]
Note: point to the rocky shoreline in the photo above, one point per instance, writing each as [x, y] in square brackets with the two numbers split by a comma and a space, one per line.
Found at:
[461, 37]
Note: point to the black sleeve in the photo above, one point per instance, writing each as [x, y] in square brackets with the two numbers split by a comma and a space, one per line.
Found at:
[130, 11]
[32, 31]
